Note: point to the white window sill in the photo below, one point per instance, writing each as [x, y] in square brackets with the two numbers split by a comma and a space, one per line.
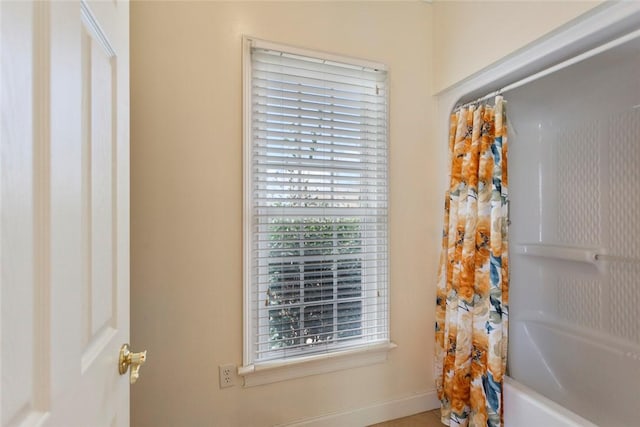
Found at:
[282, 370]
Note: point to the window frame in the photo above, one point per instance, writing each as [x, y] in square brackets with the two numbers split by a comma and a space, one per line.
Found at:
[341, 355]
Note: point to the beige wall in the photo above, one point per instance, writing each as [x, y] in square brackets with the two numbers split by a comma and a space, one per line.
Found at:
[186, 195]
[469, 35]
[186, 198]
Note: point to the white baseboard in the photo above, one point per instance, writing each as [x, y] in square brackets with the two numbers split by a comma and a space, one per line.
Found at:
[377, 413]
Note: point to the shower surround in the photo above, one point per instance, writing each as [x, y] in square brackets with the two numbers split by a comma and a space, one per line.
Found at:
[574, 235]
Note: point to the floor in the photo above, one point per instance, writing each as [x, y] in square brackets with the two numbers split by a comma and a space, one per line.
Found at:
[423, 419]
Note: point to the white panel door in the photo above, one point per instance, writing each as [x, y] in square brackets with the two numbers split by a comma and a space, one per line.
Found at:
[64, 198]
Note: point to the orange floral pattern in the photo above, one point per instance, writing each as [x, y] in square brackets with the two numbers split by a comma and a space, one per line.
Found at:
[473, 278]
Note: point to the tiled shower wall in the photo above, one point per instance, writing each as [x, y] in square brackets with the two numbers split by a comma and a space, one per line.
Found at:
[597, 166]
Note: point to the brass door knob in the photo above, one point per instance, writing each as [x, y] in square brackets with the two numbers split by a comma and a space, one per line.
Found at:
[133, 360]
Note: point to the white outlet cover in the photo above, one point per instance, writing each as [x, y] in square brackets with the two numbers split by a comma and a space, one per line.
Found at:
[227, 375]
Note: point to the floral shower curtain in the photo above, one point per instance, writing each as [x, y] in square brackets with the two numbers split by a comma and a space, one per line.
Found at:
[473, 279]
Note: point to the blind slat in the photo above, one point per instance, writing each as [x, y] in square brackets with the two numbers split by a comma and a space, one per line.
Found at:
[325, 131]
[304, 153]
[362, 170]
[313, 178]
[338, 88]
[316, 91]
[372, 112]
[318, 294]
[373, 126]
[317, 347]
[319, 98]
[314, 260]
[322, 79]
[304, 335]
[275, 160]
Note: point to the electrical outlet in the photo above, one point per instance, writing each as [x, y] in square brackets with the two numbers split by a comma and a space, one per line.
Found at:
[228, 375]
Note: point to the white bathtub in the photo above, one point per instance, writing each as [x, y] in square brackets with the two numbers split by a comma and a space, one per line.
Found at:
[524, 407]
[578, 371]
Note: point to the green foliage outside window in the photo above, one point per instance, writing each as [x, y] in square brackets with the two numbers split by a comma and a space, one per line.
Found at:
[315, 280]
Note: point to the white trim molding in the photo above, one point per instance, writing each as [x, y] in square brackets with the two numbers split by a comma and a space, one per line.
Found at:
[376, 413]
[282, 370]
[42, 210]
[96, 30]
[600, 25]
[267, 355]
[326, 56]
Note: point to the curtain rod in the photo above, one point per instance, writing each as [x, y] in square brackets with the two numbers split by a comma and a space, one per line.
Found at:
[564, 64]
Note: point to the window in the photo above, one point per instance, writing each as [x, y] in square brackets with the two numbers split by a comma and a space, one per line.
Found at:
[315, 203]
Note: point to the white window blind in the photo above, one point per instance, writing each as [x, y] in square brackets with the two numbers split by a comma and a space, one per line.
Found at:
[317, 193]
